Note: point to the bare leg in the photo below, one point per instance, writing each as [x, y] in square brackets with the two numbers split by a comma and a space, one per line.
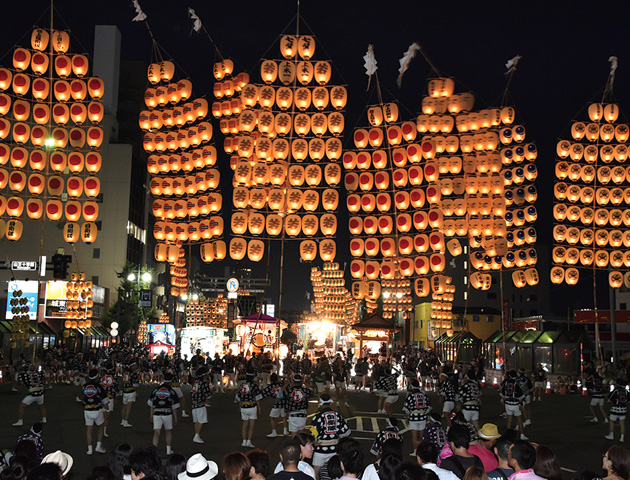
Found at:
[156, 437]
[169, 438]
[250, 433]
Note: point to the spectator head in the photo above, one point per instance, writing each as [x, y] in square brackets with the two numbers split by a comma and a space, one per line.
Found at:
[325, 400]
[290, 452]
[46, 471]
[546, 465]
[168, 377]
[144, 461]
[617, 461]
[393, 422]
[60, 458]
[98, 473]
[93, 374]
[334, 467]
[350, 455]
[459, 436]
[427, 452]
[522, 455]
[236, 466]
[198, 468]
[410, 471]
[119, 460]
[307, 444]
[37, 428]
[502, 447]
[274, 377]
[475, 473]
[392, 446]
[175, 464]
[388, 467]
[260, 462]
[297, 379]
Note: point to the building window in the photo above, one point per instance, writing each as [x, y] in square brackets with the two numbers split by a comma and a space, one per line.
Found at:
[490, 318]
[95, 279]
[96, 253]
[622, 306]
[99, 225]
[476, 318]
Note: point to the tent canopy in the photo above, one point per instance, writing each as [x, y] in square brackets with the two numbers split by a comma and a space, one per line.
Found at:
[374, 322]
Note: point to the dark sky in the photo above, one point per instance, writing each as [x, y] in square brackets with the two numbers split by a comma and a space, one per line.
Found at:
[565, 48]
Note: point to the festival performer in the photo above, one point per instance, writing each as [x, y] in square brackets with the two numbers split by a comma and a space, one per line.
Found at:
[389, 432]
[416, 407]
[619, 399]
[539, 377]
[528, 387]
[94, 399]
[595, 385]
[33, 380]
[387, 388]
[328, 426]
[249, 396]
[111, 388]
[176, 385]
[164, 404]
[447, 392]
[296, 404]
[130, 381]
[469, 396]
[200, 399]
[275, 390]
[78, 370]
[511, 397]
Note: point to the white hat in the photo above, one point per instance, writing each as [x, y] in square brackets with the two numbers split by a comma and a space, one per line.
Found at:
[60, 458]
[198, 468]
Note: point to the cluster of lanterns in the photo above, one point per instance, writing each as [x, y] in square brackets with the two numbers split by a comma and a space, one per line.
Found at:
[283, 136]
[331, 300]
[79, 303]
[143, 331]
[50, 111]
[207, 312]
[20, 318]
[442, 304]
[183, 178]
[592, 205]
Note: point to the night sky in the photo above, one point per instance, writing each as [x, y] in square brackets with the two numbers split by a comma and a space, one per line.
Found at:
[565, 48]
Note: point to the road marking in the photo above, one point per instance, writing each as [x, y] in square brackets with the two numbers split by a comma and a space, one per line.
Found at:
[568, 470]
[375, 427]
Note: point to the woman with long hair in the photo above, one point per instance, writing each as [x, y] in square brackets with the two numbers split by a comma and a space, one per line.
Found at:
[119, 461]
[616, 462]
[236, 466]
[546, 465]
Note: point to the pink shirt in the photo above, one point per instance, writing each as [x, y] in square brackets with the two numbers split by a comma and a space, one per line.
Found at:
[488, 459]
[525, 475]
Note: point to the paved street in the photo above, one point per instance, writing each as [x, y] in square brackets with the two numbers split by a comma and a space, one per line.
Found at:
[561, 422]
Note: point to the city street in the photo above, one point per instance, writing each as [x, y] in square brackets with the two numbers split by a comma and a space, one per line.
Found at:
[560, 422]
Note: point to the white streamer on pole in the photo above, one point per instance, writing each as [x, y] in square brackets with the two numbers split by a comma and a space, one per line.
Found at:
[141, 15]
[370, 64]
[406, 59]
[511, 63]
[613, 66]
[195, 18]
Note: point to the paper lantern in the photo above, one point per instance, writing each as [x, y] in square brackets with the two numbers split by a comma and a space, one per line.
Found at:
[327, 250]
[89, 232]
[15, 206]
[13, 230]
[39, 39]
[357, 247]
[92, 186]
[34, 208]
[6, 78]
[71, 232]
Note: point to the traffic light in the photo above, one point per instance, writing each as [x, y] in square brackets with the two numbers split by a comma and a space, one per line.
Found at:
[60, 266]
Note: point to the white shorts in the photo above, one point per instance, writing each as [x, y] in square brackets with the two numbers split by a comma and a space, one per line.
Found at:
[382, 393]
[296, 423]
[513, 410]
[30, 399]
[249, 413]
[418, 425]
[341, 384]
[93, 417]
[391, 399]
[321, 459]
[614, 417]
[597, 401]
[539, 384]
[200, 415]
[448, 406]
[471, 415]
[277, 412]
[129, 397]
[160, 421]
[178, 391]
[108, 406]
